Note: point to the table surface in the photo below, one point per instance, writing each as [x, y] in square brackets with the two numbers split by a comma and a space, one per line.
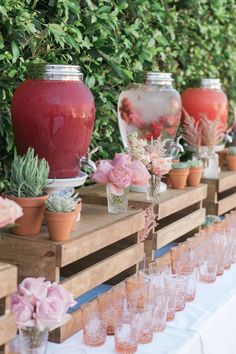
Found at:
[206, 326]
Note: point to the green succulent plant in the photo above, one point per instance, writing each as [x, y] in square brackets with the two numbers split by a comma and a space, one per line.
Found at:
[179, 165]
[28, 176]
[232, 150]
[195, 163]
[61, 204]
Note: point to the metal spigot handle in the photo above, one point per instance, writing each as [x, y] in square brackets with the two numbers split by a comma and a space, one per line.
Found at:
[87, 160]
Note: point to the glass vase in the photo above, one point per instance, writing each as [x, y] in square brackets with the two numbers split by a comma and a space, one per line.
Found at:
[33, 340]
[153, 188]
[117, 203]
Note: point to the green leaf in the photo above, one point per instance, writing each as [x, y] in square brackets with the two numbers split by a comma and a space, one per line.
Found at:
[15, 51]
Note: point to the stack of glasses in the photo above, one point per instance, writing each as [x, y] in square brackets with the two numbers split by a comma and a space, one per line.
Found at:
[142, 305]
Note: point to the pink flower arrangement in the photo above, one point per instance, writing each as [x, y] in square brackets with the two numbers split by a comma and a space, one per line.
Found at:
[9, 212]
[39, 303]
[120, 173]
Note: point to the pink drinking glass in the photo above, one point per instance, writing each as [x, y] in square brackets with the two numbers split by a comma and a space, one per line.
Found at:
[182, 283]
[160, 312]
[207, 271]
[171, 289]
[145, 332]
[94, 326]
[191, 274]
[107, 310]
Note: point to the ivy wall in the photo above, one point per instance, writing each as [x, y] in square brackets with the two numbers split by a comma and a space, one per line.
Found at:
[111, 40]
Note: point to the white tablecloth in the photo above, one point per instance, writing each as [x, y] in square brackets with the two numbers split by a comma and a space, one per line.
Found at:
[206, 326]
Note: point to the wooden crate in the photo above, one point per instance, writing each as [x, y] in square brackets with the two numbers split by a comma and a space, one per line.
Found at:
[8, 285]
[221, 193]
[178, 213]
[102, 247]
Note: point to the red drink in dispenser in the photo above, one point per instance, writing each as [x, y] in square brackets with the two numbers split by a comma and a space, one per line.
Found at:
[207, 101]
[53, 111]
[151, 109]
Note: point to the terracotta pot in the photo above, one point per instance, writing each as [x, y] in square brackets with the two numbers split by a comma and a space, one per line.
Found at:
[222, 157]
[178, 178]
[231, 161]
[78, 210]
[194, 177]
[59, 224]
[30, 223]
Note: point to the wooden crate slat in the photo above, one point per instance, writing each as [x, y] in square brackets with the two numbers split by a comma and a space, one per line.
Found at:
[226, 204]
[180, 199]
[84, 245]
[179, 228]
[226, 181]
[104, 270]
[8, 279]
[7, 328]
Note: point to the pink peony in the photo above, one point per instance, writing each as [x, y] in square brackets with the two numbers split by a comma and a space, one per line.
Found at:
[140, 173]
[34, 289]
[102, 172]
[120, 177]
[58, 292]
[22, 310]
[121, 159]
[9, 212]
[49, 312]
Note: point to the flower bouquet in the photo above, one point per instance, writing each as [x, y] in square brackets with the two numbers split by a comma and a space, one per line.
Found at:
[9, 212]
[153, 155]
[39, 306]
[118, 174]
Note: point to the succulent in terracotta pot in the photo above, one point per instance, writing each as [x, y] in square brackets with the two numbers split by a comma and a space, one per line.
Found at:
[28, 178]
[60, 213]
[179, 174]
[195, 172]
[231, 158]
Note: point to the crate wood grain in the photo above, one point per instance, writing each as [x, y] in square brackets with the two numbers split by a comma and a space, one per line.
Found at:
[102, 247]
[178, 213]
[8, 285]
[221, 195]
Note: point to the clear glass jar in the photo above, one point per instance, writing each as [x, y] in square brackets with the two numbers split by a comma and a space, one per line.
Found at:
[151, 109]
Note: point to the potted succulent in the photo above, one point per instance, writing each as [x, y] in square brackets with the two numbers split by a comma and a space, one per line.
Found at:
[60, 213]
[231, 158]
[28, 178]
[179, 174]
[195, 173]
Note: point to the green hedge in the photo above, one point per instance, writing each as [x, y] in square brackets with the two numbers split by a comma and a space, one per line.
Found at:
[111, 40]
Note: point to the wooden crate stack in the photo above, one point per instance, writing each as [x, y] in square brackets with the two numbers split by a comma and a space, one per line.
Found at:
[8, 285]
[178, 213]
[103, 247]
[221, 193]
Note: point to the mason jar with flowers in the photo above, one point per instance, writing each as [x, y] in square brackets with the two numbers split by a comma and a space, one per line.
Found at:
[118, 174]
[153, 155]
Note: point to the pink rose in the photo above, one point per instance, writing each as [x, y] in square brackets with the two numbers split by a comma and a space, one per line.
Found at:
[120, 177]
[161, 166]
[49, 312]
[22, 310]
[121, 159]
[102, 172]
[57, 291]
[140, 173]
[9, 212]
[34, 289]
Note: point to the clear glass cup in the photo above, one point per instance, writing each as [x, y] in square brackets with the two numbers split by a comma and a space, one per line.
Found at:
[145, 333]
[191, 273]
[207, 271]
[94, 326]
[126, 331]
[107, 310]
[138, 290]
[160, 312]
[182, 284]
[171, 289]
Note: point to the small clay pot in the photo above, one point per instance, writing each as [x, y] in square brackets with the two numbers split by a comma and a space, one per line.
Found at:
[231, 161]
[59, 224]
[194, 177]
[178, 178]
[30, 222]
[78, 210]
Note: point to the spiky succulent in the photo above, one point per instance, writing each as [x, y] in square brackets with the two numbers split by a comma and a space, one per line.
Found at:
[195, 163]
[179, 165]
[29, 175]
[232, 150]
[61, 204]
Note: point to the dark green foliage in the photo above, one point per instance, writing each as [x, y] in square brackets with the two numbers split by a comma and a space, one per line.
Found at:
[112, 40]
